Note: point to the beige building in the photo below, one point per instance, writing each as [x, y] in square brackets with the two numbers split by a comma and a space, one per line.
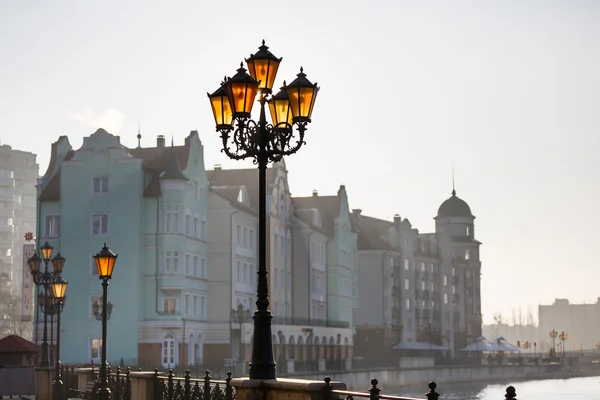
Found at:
[302, 340]
[580, 322]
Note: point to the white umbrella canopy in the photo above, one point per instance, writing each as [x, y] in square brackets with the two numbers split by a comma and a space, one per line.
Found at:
[479, 346]
[501, 345]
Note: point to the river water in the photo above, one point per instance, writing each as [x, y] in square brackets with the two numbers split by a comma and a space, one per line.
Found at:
[549, 389]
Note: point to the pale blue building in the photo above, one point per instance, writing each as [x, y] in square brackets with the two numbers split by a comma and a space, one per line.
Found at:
[150, 206]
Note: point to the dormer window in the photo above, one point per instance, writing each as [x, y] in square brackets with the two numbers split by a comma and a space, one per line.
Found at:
[468, 231]
[467, 255]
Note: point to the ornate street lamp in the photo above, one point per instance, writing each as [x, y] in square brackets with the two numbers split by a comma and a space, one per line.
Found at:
[553, 335]
[44, 279]
[240, 315]
[263, 142]
[59, 289]
[563, 337]
[105, 263]
[98, 312]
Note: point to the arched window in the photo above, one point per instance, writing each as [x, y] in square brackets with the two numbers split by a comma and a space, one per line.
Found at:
[282, 206]
[199, 350]
[169, 351]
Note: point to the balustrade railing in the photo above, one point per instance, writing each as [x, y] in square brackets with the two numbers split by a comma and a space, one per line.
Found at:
[171, 387]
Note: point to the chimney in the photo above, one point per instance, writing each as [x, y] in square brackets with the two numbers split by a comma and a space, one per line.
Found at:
[218, 167]
[315, 193]
[160, 141]
[397, 219]
[356, 212]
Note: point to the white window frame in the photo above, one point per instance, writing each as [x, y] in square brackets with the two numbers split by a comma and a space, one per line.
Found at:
[93, 268]
[176, 308]
[95, 360]
[169, 349]
[102, 185]
[100, 234]
[56, 218]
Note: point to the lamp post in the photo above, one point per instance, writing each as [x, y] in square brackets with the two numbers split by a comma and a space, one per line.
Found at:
[44, 279]
[240, 315]
[59, 288]
[553, 335]
[581, 348]
[563, 337]
[263, 142]
[98, 310]
[105, 263]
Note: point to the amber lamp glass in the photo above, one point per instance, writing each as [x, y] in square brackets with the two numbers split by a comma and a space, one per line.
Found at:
[221, 108]
[263, 66]
[34, 263]
[58, 263]
[46, 251]
[59, 288]
[302, 94]
[241, 91]
[281, 113]
[105, 262]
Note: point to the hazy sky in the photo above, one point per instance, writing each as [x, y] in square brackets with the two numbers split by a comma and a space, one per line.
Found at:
[505, 91]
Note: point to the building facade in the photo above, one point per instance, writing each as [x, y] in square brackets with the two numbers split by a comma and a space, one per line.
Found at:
[184, 286]
[424, 287]
[150, 206]
[18, 174]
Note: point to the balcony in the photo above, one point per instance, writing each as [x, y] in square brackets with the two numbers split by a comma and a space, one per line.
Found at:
[456, 297]
[396, 290]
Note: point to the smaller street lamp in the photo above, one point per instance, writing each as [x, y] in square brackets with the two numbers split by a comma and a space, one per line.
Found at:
[553, 335]
[563, 337]
[105, 263]
[45, 278]
[98, 312]
[59, 289]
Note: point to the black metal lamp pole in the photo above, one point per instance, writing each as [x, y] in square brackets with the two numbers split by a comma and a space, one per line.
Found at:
[105, 263]
[263, 142]
[553, 335]
[45, 278]
[563, 337]
[59, 288]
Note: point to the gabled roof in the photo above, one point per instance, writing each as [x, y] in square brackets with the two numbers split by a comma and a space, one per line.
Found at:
[306, 216]
[156, 160]
[240, 177]
[52, 191]
[16, 344]
[230, 193]
[328, 206]
[370, 233]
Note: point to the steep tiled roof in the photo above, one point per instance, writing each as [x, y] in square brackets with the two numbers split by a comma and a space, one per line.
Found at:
[306, 216]
[370, 231]
[230, 193]
[240, 177]
[172, 169]
[154, 160]
[52, 191]
[329, 207]
[16, 344]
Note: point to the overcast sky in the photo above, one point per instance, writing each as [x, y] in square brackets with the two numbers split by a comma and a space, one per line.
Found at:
[506, 92]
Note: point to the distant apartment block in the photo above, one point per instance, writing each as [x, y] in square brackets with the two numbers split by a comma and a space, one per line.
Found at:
[18, 174]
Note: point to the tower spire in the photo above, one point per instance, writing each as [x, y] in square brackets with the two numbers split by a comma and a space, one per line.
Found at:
[139, 136]
[453, 189]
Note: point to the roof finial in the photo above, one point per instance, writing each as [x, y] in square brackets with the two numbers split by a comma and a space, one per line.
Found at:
[453, 189]
[139, 136]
